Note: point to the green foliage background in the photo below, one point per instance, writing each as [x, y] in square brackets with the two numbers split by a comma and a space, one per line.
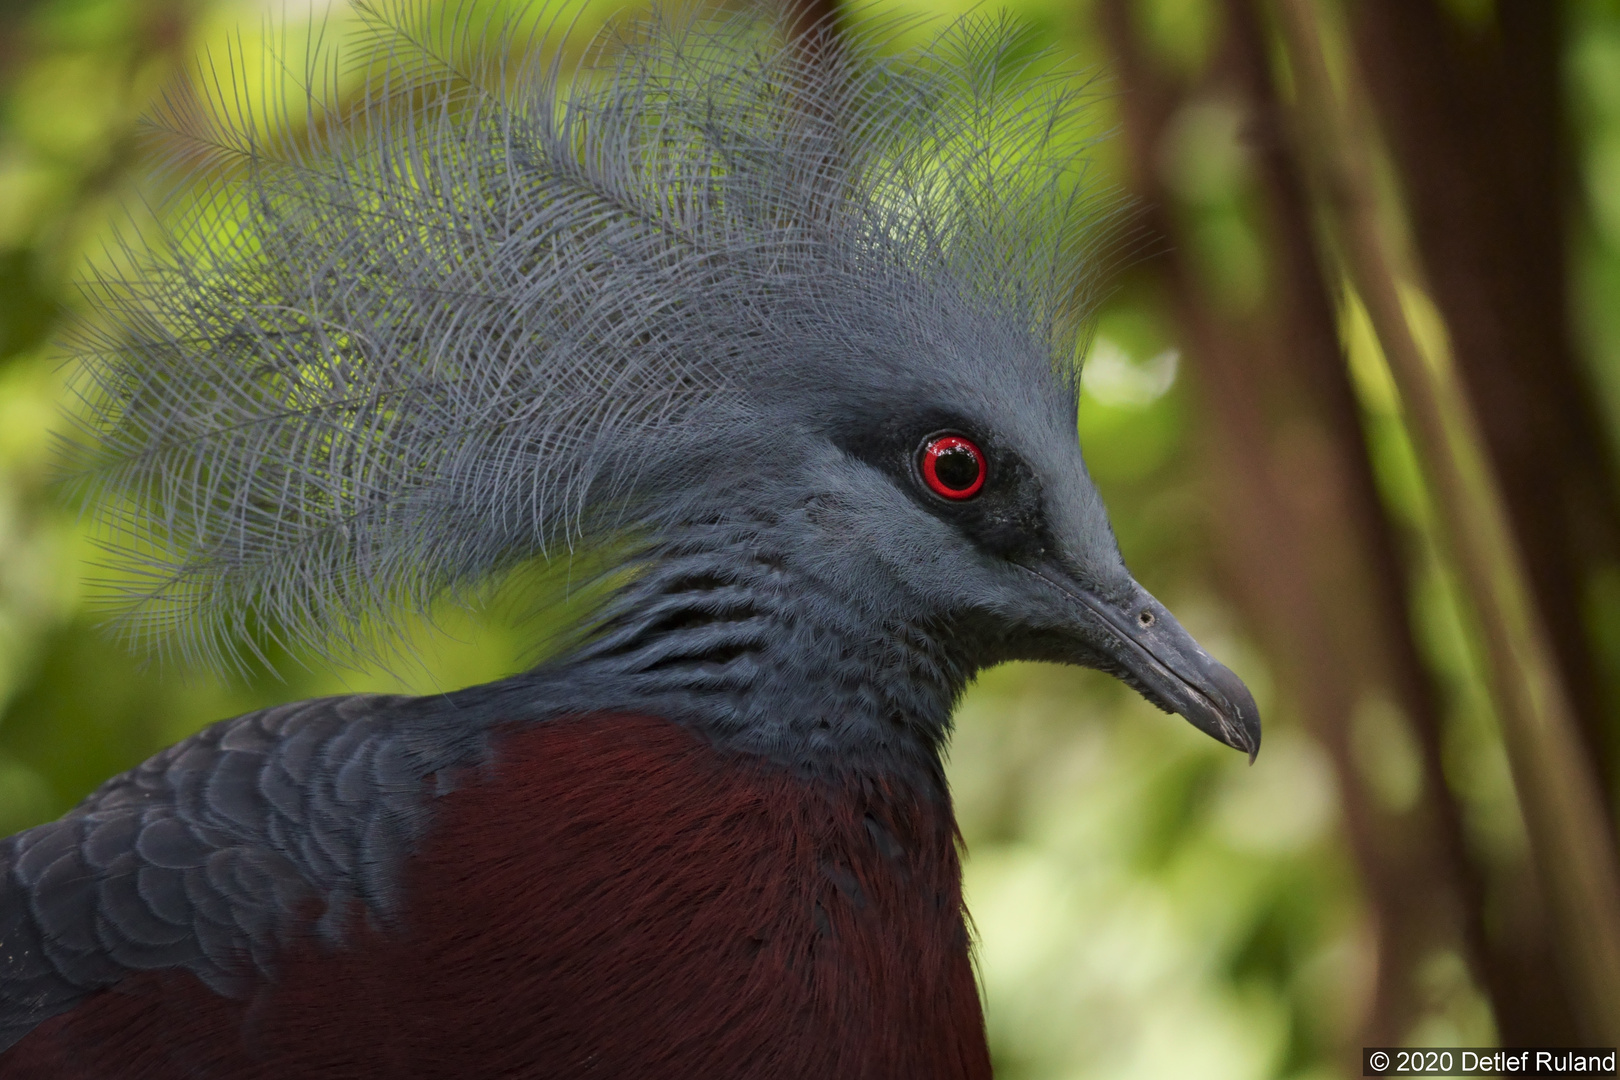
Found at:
[1148, 905]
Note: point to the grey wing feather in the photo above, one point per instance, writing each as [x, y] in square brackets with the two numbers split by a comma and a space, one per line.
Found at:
[209, 855]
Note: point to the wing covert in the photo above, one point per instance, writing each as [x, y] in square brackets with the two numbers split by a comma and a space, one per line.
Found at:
[210, 855]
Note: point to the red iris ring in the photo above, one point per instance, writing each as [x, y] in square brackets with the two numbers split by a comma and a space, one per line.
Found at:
[951, 448]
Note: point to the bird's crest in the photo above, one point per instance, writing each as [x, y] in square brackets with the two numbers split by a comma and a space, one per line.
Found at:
[469, 296]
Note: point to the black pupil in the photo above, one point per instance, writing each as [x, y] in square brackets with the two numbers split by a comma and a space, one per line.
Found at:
[957, 467]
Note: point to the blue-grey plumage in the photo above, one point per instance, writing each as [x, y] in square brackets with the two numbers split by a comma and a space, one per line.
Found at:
[709, 304]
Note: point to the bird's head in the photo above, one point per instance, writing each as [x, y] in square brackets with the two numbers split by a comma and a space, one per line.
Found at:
[482, 312]
[965, 490]
[929, 468]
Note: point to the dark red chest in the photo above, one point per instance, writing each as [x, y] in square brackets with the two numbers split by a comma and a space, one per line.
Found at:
[615, 899]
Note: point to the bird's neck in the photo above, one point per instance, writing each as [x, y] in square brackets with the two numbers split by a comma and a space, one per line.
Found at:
[727, 638]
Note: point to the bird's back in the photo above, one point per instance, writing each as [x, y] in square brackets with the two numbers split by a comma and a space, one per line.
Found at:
[605, 896]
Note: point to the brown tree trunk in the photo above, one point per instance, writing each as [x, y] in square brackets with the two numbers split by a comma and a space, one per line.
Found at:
[1475, 120]
[1313, 554]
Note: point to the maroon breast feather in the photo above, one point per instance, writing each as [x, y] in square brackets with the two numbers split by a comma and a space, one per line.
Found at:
[610, 897]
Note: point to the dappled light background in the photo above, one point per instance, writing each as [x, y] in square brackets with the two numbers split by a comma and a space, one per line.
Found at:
[1148, 904]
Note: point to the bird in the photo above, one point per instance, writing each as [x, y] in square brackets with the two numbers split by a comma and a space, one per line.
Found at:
[775, 337]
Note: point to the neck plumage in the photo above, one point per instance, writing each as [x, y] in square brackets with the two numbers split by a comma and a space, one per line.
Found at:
[721, 634]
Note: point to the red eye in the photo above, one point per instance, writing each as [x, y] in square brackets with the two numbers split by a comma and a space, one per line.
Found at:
[952, 466]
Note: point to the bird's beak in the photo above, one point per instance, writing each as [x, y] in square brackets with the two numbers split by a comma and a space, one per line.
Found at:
[1162, 659]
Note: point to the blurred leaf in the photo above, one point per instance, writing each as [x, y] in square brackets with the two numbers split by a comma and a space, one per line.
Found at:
[27, 310]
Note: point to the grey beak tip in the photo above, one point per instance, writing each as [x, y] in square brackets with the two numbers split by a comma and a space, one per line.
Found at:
[1250, 735]
[1241, 723]
[1244, 736]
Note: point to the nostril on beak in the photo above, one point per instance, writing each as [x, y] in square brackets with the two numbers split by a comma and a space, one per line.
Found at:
[1145, 619]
